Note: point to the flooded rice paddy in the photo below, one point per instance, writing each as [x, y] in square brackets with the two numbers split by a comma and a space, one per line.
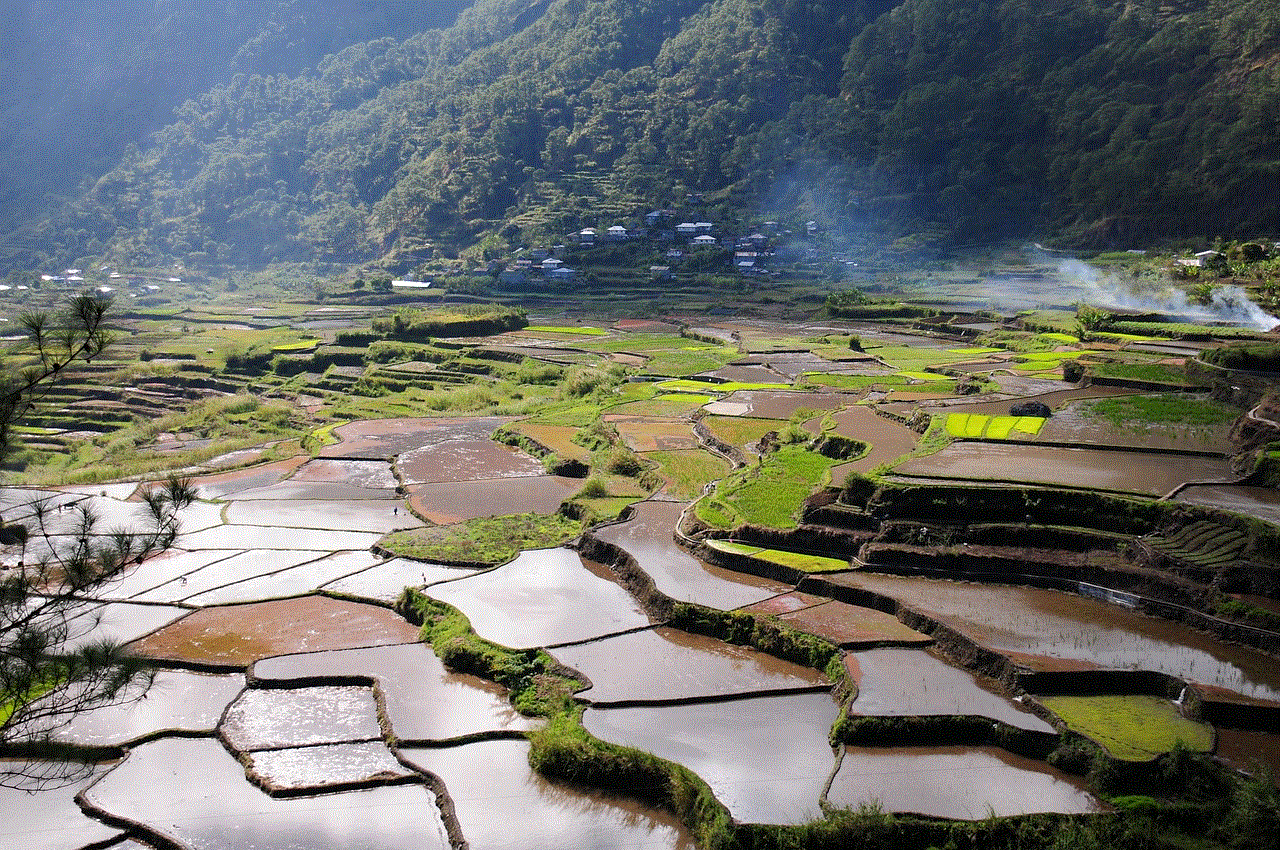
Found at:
[1148, 473]
[911, 682]
[766, 758]
[1046, 629]
[543, 597]
[969, 783]
[307, 696]
[493, 787]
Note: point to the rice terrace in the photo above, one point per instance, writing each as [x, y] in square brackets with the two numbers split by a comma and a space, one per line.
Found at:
[791, 577]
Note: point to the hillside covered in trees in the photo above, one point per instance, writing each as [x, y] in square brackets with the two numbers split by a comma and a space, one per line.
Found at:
[925, 122]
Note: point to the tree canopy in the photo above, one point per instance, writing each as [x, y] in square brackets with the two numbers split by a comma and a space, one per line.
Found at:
[1099, 122]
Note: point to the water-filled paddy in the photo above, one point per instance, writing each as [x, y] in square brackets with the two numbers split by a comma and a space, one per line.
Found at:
[455, 501]
[119, 622]
[226, 484]
[176, 700]
[1149, 473]
[466, 460]
[262, 537]
[1258, 502]
[840, 622]
[649, 434]
[360, 515]
[49, 818]
[239, 634]
[769, 404]
[314, 768]
[194, 792]
[766, 758]
[543, 597]
[386, 581]
[666, 664]
[910, 682]
[970, 783]
[268, 719]
[1046, 629]
[383, 438]
[424, 701]
[226, 571]
[647, 538]
[493, 789]
[294, 581]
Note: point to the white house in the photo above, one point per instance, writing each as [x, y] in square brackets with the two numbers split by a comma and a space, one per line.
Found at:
[687, 228]
[587, 236]
[703, 241]
[617, 233]
[550, 264]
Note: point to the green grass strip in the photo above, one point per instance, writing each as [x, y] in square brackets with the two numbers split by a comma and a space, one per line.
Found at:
[1131, 727]
[575, 331]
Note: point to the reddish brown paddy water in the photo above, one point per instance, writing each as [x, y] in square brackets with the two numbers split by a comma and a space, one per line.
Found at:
[1150, 473]
[452, 502]
[1045, 629]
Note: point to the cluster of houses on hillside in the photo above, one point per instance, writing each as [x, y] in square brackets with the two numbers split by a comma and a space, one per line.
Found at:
[749, 254]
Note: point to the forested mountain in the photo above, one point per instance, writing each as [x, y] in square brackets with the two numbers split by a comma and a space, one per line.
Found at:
[83, 78]
[921, 120]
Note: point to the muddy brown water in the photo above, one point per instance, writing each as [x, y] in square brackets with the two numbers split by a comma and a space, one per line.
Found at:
[889, 440]
[969, 783]
[649, 434]
[647, 537]
[766, 758]
[240, 634]
[493, 788]
[1250, 750]
[1045, 629]
[543, 597]
[383, 438]
[911, 682]
[1149, 473]
[193, 792]
[466, 460]
[670, 664]
[1260, 502]
[424, 701]
[451, 502]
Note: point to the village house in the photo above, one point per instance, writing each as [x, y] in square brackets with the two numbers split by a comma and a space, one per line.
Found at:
[562, 274]
[617, 233]
[703, 241]
[587, 236]
[687, 228]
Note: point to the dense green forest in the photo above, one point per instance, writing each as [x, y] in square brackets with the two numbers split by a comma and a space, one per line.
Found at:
[914, 123]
